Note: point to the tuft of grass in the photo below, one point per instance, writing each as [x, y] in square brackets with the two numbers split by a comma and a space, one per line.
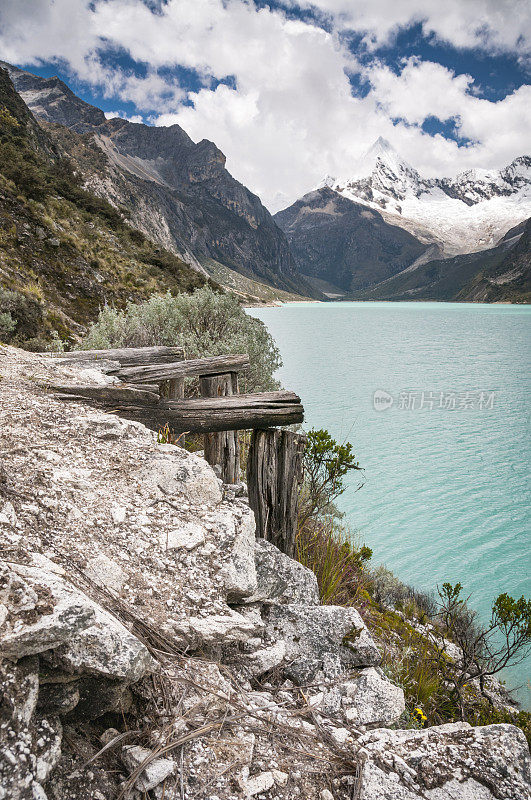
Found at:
[324, 547]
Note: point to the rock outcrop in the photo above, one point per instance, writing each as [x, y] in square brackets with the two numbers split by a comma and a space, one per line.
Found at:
[176, 191]
[345, 247]
[151, 648]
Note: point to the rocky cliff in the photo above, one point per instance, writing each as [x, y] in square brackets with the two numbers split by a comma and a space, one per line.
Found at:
[499, 274]
[152, 648]
[177, 192]
[345, 244]
[64, 253]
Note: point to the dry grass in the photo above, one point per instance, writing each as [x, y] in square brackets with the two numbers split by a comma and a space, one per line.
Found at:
[326, 548]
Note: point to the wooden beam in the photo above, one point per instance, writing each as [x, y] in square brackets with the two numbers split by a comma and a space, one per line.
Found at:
[274, 474]
[126, 356]
[200, 415]
[222, 449]
[156, 373]
[106, 395]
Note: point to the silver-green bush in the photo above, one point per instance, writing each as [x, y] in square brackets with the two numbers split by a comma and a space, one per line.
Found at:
[7, 325]
[205, 323]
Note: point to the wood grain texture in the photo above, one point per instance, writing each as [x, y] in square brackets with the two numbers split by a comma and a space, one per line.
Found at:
[274, 474]
[156, 373]
[106, 395]
[126, 356]
[198, 415]
[222, 448]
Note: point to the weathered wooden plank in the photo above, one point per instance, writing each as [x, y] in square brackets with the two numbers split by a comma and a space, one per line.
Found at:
[222, 449]
[126, 356]
[156, 373]
[170, 389]
[247, 401]
[199, 415]
[274, 473]
[105, 395]
[181, 418]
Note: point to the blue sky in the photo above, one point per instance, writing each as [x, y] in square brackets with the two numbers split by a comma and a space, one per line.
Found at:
[294, 90]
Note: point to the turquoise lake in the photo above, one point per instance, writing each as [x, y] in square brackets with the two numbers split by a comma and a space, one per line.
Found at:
[446, 453]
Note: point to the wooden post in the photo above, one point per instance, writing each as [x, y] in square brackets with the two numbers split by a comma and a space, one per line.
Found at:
[222, 449]
[274, 474]
[172, 389]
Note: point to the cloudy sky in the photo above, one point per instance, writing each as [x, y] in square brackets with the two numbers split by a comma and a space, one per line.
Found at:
[294, 90]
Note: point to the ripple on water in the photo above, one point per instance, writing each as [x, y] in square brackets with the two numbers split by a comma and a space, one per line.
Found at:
[447, 493]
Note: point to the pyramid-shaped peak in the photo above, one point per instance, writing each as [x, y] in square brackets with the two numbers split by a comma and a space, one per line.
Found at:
[383, 145]
[382, 154]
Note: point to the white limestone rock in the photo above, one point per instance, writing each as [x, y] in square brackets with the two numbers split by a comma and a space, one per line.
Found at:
[154, 773]
[239, 572]
[372, 699]
[259, 783]
[118, 514]
[448, 762]
[8, 515]
[106, 648]
[188, 536]
[317, 636]
[174, 471]
[281, 579]
[47, 737]
[83, 636]
[60, 611]
[217, 629]
[105, 572]
[266, 658]
[281, 778]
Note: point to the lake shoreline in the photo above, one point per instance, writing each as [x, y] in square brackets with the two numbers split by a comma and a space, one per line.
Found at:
[445, 497]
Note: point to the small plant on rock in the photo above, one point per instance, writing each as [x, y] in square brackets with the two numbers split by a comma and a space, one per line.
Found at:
[326, 462]
[485, 650]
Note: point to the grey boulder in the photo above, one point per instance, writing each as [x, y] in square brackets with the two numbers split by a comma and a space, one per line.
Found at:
[316, 636]
[281, 579]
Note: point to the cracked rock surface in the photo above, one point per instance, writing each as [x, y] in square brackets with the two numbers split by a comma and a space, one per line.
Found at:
[150, 647]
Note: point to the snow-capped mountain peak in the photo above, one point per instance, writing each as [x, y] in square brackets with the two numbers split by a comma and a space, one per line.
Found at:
[381, 172]
[382, 156]
[465, 213]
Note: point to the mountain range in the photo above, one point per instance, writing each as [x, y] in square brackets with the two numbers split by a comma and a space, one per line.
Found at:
[64, 253]
[350, 235]
[385, 232]
[177, 192]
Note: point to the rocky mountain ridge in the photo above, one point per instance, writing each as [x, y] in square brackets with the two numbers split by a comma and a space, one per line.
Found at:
[64, 253]
[344, 246]
[468, 212]
[391, 234]
[161, 648]
[499, 274]
[177, 192]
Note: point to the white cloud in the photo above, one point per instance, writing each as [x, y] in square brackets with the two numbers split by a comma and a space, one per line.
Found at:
[291, 116]
[122, 115]
[491, 25]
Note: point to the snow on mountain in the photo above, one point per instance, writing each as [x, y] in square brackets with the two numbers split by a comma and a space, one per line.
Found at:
[462, 214]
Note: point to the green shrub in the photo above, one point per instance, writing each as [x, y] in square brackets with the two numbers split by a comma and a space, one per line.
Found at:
[25, 311]
[325, 464]
[7, 325]
[388, 590]
[205, 323]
